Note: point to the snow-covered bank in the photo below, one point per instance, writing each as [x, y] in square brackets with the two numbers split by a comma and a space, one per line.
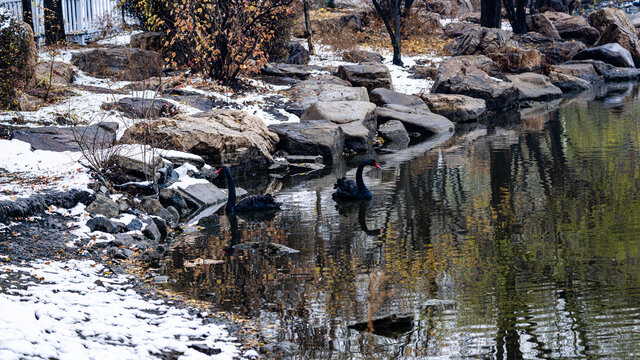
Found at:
[81, 311]
[36, 171]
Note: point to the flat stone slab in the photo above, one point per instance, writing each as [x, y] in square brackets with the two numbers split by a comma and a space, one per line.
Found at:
[202, 193]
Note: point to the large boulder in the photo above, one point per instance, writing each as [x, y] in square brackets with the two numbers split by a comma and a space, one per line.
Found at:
[536, 87]
[459, 75]
[554, 51]
[311, 138]
[515, 59]
[356, 118]
[568, 83]
[627, 39]
[101, 135]
[542, 25]
[130, 64]
[382, 96]
[577, 28]
[306, 93]
[415, 120]
[18, 58]
[148, 40]
[368, 75]
[456, 108]
[230, 137]
[54, 73]
[601, 19]
[480, 41]
[612, 53]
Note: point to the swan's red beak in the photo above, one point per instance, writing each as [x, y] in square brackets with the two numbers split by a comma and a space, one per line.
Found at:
[218, 170]
[378, 166]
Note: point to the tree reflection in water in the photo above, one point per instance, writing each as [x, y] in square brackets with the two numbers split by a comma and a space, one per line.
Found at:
[519, 241]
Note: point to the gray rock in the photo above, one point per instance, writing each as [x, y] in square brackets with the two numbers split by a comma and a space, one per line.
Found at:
[131, 64]
[148, 40]
[534, 87]
[622, 74]
[170, 215]
[393, 131]
[151, 231]
[311, 91]
[142, 108]
[460, 75]
[190, 98]
[53, 138]
[311, 138]
[576, 28]
[359, 56]
[162, 227]
[171, 197]
[456, 108]
[135, 224]
[286, 70]
[554, 51]
[305, 159]
[584, 71]
[568, 83]
[480, 41]
[103, 205]
[542, 25]
[134, 164]
[368, 75]
[150, 205]
[100, 223]
[625, 38]
[612, 53]
[602, 18]
[297, 54]
[424, 122]
[383, 96]
[202, 194]
[56, 73]
[357, 119]
[231, 137]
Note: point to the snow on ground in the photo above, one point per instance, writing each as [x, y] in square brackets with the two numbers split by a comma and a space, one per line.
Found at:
[39, 170]
[119, 39]
[401, 78]
[80, 311]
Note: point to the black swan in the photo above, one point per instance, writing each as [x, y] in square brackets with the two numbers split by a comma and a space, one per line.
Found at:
[348, 208]
[354, 190]
[249, 203]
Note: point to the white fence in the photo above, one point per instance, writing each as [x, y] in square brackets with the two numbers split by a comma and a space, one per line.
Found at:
[83, 19]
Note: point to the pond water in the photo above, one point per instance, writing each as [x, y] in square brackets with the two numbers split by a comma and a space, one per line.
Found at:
[515, 241]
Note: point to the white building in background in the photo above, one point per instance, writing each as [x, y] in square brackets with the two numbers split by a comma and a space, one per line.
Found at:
[83, 19]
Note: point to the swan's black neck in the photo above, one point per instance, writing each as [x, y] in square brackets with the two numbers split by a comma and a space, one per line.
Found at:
[362, 188]
[231, 201]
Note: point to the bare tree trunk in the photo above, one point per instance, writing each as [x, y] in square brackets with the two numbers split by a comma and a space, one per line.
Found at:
[490, 13]
[396, 40]
[307, 24]
[521, 17]
[53, 21]
[27, 14]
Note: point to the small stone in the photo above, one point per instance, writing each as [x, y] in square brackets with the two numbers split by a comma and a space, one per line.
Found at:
[135, 224]
[102, 224]
[393, 131]
[103, 205]
[151, 231]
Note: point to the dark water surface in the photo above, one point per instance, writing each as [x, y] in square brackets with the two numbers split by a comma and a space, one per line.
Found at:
[518, 241]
